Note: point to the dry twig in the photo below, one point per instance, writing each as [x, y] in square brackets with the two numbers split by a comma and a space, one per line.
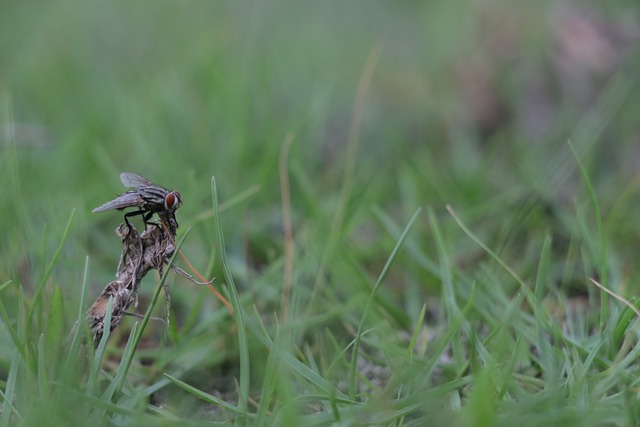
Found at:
[140, 253]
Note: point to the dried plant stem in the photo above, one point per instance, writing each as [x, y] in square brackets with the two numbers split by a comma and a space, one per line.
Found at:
[140, 253]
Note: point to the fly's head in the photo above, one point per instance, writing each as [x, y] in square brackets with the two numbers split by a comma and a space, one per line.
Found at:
[172, 201]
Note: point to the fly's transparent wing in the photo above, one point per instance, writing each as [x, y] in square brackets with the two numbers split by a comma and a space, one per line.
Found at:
[133, 180]
[126, 200]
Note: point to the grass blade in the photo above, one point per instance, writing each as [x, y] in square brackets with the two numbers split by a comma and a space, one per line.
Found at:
[43, 389]
[367, 307]
[19, 345]
[132, 344]
[9, 391]
[416, 333]
[243, 346]
[55, 331]
[99, 353]
[78, 327]
[543, 268]
[37, 303]
[603, 243]
[206, 396]
[296, 366]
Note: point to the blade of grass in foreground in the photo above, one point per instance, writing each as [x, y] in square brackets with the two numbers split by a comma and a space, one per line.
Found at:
[9, 391]
[116, 383]
[207, 397]
[55, 332]
[243, 346]
[417, 329]
[277, 391]
[542, 274]
[296, 365]
[99, 353]
[269, 382]
[43, 385]
[7, 404]
[367, 307]
[603, 245]
[37, 303]
[136, 334]
[78, 327]
[16, 362]
[523, 286]
[449, 302]
[622, 323]
[4, 315]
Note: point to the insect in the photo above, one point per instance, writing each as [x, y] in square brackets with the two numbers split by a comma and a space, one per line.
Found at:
[148, 197]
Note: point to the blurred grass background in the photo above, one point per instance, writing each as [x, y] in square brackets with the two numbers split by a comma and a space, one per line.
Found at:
[471, 104]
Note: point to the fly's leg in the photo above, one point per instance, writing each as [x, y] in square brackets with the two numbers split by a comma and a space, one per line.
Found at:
[146, 219]
[155, 224]
[130, 214]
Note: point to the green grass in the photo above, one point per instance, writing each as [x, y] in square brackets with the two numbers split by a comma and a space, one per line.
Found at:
[404, 204]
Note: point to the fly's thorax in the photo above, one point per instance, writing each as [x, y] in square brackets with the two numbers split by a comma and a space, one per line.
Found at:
[154, 197]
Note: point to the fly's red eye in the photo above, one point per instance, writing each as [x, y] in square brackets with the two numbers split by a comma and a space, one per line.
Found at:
[172, 199]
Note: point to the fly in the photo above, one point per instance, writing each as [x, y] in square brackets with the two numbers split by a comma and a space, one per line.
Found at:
[148, 197]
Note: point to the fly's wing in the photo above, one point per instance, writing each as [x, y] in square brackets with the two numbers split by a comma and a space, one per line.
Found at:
[126, 200]
[133, 180]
